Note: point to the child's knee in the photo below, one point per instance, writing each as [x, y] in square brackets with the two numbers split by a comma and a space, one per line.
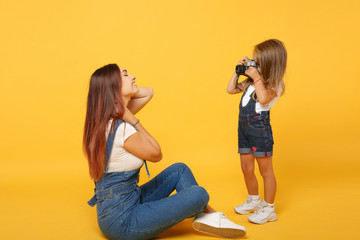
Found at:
[247, 170]
[266, 172]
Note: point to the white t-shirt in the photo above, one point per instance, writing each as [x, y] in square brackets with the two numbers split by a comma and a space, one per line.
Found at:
[120, 159]
[258, 106]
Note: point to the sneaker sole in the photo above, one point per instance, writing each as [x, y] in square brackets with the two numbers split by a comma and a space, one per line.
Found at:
[272, 218]
[219, 232]
[245, 212]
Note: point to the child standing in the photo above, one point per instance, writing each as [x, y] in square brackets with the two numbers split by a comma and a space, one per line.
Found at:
[255, 140]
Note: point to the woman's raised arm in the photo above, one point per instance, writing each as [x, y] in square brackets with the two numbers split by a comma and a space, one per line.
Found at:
[139, 100]
[141, 143]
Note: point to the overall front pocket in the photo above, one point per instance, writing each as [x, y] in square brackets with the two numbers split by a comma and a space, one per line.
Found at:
[256, 122]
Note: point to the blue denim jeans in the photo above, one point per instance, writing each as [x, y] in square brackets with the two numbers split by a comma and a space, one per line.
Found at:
[128, 211]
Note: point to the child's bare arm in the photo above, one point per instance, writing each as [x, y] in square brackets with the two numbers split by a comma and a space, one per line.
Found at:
[264, 94]
[232, 88]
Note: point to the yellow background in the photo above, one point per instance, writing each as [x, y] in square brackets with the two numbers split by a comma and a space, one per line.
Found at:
[187, 51]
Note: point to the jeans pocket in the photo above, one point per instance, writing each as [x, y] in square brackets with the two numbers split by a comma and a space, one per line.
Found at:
[115, 205]
[103, 208]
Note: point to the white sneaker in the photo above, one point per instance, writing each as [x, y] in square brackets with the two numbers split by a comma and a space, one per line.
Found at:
[217, 224]
[265, 214]
[251, 205]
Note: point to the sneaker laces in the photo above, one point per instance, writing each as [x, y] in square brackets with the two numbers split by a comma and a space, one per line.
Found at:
[261, 208]
[244, 203]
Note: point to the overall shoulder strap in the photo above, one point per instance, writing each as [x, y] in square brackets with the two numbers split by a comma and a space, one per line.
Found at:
[110, 142]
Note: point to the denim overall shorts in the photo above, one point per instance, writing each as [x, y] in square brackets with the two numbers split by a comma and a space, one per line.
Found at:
[254, 129]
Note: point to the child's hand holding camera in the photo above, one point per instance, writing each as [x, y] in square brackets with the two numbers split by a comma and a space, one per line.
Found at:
[243, 60]
[253, 73]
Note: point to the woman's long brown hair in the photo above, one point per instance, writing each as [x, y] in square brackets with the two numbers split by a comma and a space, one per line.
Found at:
[104, 102]
[271, 56]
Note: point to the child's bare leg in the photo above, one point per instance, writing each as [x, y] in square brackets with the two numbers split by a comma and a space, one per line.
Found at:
[267, 172]
[248, 168]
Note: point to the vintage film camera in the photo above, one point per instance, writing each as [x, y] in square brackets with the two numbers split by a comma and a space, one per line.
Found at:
[240, 69]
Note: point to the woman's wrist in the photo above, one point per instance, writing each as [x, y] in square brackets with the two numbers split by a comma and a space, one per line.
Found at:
[129, 117]
[133, 121]
[137, 122]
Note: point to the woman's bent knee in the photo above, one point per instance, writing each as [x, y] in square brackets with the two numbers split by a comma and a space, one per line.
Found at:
[181, 166]
[201, 199]
[203, 194]
[197, 196]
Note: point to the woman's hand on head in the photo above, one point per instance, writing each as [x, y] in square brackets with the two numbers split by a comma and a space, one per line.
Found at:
[144, 92]
[140, 99]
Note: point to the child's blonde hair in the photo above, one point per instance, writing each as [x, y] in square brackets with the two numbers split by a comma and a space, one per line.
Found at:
[271, 57]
